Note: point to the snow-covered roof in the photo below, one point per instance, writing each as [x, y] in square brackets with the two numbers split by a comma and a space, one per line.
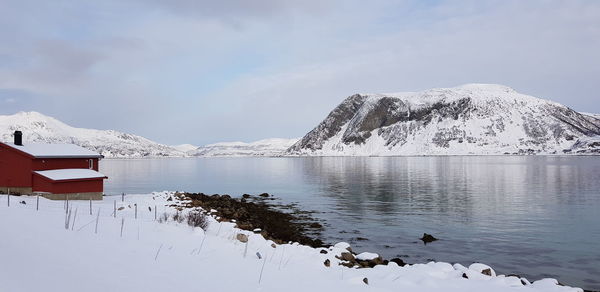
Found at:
[41, 150]
[71, 173]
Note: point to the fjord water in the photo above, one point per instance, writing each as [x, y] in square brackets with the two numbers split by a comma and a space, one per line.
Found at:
[536, 216]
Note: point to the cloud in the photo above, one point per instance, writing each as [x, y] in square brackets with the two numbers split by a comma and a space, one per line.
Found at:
[204, 71]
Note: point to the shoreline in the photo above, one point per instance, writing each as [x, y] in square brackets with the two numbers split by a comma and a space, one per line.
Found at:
[141, 250]
[210, 202]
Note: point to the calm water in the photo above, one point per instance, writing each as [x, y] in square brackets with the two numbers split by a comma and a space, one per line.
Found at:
[534, 216]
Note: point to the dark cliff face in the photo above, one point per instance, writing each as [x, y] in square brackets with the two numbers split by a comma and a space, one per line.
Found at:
[540, 126]
[332, 124]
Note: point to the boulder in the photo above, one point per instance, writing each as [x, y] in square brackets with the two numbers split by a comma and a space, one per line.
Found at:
[346, 256]
[398, 261]
[427, 238]
[242, 237]
[327, 263]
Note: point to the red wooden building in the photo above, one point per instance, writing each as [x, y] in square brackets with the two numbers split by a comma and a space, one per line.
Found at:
[55, 170]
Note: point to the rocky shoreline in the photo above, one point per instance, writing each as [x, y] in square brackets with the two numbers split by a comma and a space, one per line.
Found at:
[261, 214]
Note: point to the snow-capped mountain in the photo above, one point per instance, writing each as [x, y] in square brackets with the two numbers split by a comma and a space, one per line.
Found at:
[266, 147]
[469, 119]
[38, 128]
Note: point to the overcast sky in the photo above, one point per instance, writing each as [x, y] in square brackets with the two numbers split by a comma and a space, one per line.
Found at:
[189, 71]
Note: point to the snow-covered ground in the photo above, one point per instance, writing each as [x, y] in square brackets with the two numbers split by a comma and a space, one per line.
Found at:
[37, 253]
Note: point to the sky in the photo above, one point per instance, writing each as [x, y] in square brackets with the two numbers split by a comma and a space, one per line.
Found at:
[192, 71]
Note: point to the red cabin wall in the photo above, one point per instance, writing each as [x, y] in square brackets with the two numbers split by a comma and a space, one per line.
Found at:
[15, 168]
[42, 184]
[86, 186]
[63, 163]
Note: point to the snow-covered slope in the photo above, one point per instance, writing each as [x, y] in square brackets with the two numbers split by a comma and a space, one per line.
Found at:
[185, 147]
[39, 128]
[596, 116]
[470, 119]
[266, 147]
[41, 250]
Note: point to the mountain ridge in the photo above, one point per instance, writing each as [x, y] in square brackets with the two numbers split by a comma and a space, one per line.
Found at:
[39, 128]
[472, 119]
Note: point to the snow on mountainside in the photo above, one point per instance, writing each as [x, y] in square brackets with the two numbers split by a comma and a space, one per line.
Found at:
[266, 147]
[185, 147]
[470, 119]
[38, 128]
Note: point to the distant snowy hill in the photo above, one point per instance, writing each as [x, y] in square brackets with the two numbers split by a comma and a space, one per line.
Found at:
[266, 147]
[37, 128]
[470, 119]
[185, 147]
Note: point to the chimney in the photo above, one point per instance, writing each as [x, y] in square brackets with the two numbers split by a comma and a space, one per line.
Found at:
[18, 138]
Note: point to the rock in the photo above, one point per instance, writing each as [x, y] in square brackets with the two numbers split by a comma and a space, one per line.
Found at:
[242, 237]
[323, 251]
[347, 257]
[464, 275]
[366, 281]
[170, 199]
[273, 245]
[362, 239]
[245, 196]
[23, 202]
[427, 238]
[315, 225]
[149, 209]
[327, 263]
[264, 195]
[398, 261]
[483, 269]
[121, 208]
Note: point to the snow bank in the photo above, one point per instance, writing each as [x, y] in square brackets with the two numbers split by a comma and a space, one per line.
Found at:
[38, 254]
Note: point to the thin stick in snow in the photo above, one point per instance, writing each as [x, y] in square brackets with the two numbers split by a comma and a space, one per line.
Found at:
[201, 244]
[282, 254]
[8, 198]
[135, 211]
[74, 218]
[90, 206]
[123, 197]
[246, 248]
[37, 204]
[115, 209]
[84, 225]
[261, 270]
[97, 218]
[68, 219]
[157, 252]
[122, 223]
[155, 212]
[219, 231]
